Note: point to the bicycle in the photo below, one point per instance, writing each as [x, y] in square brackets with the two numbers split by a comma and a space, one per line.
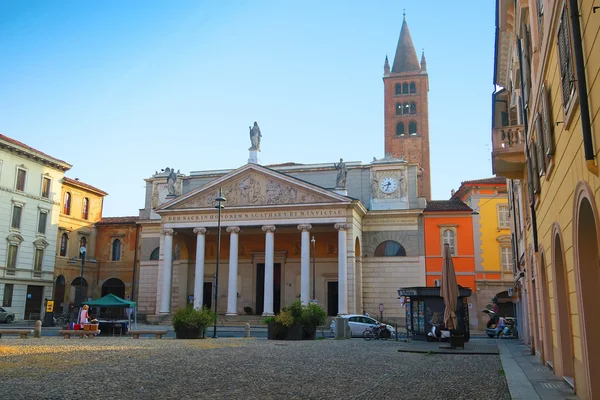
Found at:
[61, 319]
[377, 332]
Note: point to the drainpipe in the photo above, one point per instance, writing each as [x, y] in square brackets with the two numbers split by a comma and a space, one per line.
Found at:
[514, 236]
[525, 132]
[586, 126]
[135, 261]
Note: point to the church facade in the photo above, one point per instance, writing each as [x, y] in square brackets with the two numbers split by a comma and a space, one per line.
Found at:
[345, 234]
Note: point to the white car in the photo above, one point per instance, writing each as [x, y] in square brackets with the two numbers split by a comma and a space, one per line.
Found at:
[359, 323]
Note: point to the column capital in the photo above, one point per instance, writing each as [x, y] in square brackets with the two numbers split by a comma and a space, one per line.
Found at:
[341, 227]
[170, 232]
[304, 227]
[200, 231]
[269, 228]
[233, 229]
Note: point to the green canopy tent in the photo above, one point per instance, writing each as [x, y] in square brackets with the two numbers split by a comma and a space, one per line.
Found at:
[112, 301]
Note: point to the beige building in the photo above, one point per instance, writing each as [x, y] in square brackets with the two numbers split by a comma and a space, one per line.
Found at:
[546, 139]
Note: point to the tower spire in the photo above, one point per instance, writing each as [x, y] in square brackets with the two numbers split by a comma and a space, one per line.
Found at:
[423, 62]
[386, 66]
[406, 56]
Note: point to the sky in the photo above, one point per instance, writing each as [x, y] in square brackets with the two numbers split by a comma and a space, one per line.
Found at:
[121, 89]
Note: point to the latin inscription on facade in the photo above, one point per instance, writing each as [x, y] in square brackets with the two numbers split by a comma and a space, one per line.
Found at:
[251, 216]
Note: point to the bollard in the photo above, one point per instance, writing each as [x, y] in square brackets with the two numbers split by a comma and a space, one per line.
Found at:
[37, 331]
[247, 330]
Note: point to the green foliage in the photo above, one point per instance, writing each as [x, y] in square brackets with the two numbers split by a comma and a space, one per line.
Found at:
[190, 318]
[285, 318]
[295, 309]
[312, 316]
[268, 320]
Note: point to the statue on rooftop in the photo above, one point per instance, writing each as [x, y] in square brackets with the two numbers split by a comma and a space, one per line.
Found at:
[255, 136]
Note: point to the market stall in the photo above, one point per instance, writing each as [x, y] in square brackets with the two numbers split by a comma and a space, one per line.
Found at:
[112, 324]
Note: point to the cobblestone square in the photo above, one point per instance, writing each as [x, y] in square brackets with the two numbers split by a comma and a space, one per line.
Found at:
[100, 368]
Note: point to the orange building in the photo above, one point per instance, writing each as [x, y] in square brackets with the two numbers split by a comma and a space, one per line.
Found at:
[450, 221]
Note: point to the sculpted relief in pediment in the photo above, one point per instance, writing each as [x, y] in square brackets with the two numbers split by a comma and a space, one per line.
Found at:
[254, 189]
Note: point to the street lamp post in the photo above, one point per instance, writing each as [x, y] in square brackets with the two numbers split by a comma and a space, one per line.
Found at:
[79, 291]
[219, 206]
[314, 269]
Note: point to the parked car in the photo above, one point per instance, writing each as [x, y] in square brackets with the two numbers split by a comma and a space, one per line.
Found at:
[492, 330]
[358, 324]
[6, 316]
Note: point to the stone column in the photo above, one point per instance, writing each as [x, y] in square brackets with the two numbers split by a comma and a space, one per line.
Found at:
[233, 270]
[199, 279]
[269, 255]
[167, 271]
[342, 269]
[305, 264]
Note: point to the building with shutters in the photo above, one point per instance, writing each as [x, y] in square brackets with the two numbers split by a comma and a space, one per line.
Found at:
[546, 140]
[30, 190]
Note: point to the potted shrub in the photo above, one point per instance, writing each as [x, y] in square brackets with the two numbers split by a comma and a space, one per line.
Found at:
[191, 323]
[312, 317]
[296, 322]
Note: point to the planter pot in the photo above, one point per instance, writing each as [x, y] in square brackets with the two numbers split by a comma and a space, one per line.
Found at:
[189, 334]
[276, 331]
[309, 334]
[457, 340]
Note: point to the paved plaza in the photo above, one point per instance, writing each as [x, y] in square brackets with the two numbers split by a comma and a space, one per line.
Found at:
[55, 368]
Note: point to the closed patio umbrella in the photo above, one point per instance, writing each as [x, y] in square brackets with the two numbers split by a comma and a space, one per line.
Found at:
[449, 290]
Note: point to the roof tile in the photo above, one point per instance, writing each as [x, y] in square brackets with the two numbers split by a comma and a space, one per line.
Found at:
[446, 205]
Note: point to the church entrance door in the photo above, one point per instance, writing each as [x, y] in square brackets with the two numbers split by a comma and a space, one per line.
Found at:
[332, 299]
[260, 288]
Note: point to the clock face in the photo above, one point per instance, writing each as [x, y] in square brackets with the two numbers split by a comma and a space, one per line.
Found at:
[388, 185]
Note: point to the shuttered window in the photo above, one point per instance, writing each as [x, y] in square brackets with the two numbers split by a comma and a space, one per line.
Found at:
[564, 53]
[539, 133]
[525, 43]
[534, 167]
[548, 126]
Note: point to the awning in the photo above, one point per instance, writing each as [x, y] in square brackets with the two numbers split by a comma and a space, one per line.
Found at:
[110, 301]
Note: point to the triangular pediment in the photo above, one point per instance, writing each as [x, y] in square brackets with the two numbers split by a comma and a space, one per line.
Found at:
[254, 185]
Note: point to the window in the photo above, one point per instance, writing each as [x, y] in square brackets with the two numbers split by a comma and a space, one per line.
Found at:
[16, 216]
[46, 187]
[506, 258]
[83, 242]
[67, 204]
[21, 177]
[43, 219]
[84, 208]
[11, 261]
[405, 88]
[155, 254]
[412, 128]
[400, 129]
[398, 88]
[413, 88]
[38, 260]
[450, 239]
[399, 109]
[539, 133]
[390, 248]
[564, 53]
[8, 294]
[503, 217]
[116, 250]
[547, 124]
[64, 240]
[413, 108]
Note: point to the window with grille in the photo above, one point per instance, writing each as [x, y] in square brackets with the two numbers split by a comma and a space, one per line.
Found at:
[46, 187]
[564, 54]
[21, 177]
[16, 216]
[503, 217]
[506, 258]
[450, 239]
[42, 221]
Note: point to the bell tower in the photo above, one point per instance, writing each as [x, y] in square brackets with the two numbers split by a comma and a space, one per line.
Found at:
[406, 114]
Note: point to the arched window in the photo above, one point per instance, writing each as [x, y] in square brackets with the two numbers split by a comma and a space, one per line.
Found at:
[390, 248]
[398, 108]
[85, 208]
[406, 108]
[83, 242]
[116, 250]
[405, 88]
[412, 128]
[413, 108]
[64, 240]
[155, 254]
[413, 88]
[400, 128]
[398, 88]
[67, 204]
[450, 239]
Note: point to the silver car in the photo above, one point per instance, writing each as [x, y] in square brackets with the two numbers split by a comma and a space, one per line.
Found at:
[359, 323]
[6, 316]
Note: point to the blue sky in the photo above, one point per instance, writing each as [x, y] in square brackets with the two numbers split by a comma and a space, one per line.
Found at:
[122, 89]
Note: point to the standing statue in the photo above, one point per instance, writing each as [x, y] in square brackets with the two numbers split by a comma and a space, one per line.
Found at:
[171, 178]
[255, 136]
[342, 172]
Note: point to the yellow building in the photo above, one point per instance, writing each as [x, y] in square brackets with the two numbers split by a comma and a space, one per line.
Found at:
[546, 138]
[492, 243]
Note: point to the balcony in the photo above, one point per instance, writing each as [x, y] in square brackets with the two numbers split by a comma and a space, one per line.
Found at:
[508, 155]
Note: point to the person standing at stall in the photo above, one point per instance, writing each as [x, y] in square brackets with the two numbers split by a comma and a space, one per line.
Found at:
[84, 316]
